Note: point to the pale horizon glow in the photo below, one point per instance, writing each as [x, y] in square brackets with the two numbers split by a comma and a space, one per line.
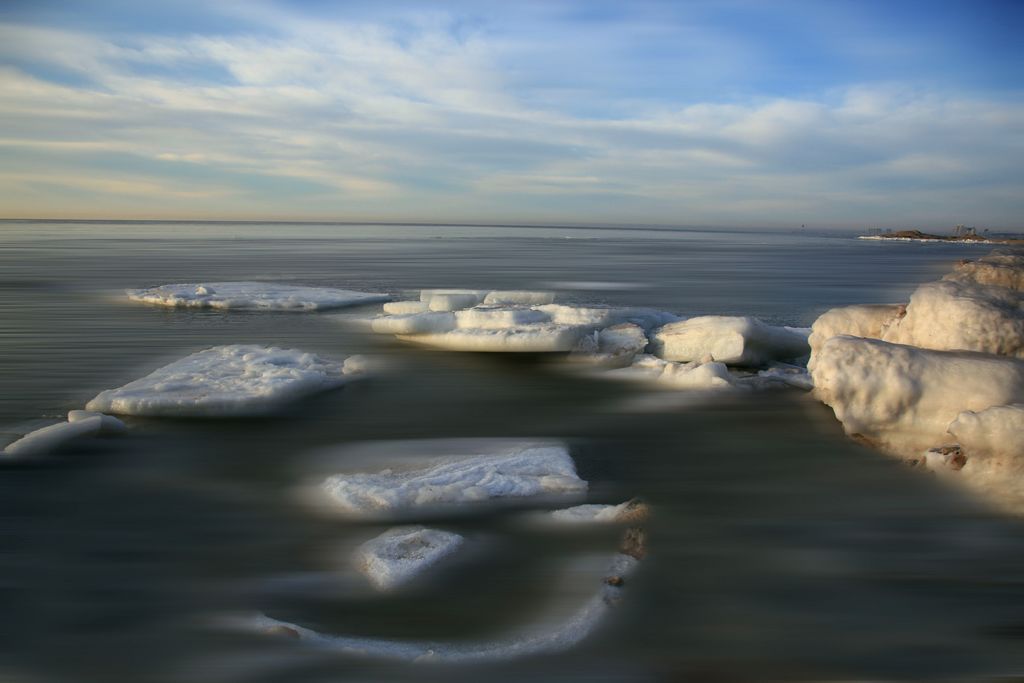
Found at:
[728, 113]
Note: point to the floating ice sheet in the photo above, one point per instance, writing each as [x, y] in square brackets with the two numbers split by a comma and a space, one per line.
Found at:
[511, 472]
[537, 338]
[265, 296]
[236, 380]
[401, 554]
[731, 340]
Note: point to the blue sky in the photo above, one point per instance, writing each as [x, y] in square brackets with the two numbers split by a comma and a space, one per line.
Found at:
[690, 113]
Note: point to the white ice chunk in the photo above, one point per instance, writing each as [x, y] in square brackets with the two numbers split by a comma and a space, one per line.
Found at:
[237, 380]
[497, 317]
[992, 442]
[727, 339]
[406, 307]
[867, 320]
[47, 439]
[401, 554]
[796, 377]
[695, 376]
[962, 315]
[514, 472]
[537, 338]
[108, 423]
[414, 323]
[452, 299]
[541, 639]
[614, 346]
[519, 297]
[598, 316]
[903, 398]
[268, 296]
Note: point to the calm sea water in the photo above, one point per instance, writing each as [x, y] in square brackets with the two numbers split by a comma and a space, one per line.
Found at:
[779, 551]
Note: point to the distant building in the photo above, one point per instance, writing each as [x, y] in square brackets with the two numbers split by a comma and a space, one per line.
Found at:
[965, 231]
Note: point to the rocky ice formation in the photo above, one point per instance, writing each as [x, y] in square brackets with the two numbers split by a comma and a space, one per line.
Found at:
[520, 471]
[732, 340]
[260, 296]
[401, 554]
[227, 381]
[941, 384]
[80, 423]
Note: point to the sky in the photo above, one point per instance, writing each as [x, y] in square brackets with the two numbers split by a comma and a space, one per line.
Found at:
[733, 112]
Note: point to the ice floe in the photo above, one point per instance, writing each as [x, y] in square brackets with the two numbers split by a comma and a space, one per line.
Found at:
[630, 512]
[267, 296]
[672, 375]
[614, 346]
[519, 471]
[47, 439]
[903, 398]
[537, 338]
[732, 340]
[545, 638]
[235, 380]
[863, 320]
[401, 554]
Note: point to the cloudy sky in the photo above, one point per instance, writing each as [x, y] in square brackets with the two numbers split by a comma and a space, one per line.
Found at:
[690, 113]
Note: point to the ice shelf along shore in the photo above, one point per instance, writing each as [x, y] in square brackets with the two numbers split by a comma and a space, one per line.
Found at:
[520, 471]
[939, 381]
[541, 639]
[259, 296]
[227, 381]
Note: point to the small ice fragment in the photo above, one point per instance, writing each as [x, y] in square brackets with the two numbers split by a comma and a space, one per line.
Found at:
[515, 472]
[728, 339]
[263, 296]
[536, 338]
[403, 553]
[50, 438]
[414, 323]
[452, 299]
[630, 512]
[236, 380]
[693, 376]
[108, 423]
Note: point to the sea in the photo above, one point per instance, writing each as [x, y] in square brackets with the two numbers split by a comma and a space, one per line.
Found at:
[777, 550]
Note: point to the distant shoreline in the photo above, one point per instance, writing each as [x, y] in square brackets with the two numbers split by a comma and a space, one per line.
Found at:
[918, 236]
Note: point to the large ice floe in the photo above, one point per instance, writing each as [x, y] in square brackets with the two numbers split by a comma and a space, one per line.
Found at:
[941, 384]
[80, 423]
[228, 381]
[518, 322]
[508, 472]
[401, 554]
[732, 340]
[543, 638]
[263, 296]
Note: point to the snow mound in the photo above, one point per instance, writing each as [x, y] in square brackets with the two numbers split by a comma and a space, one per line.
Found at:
[537, 338]
[962, 315]
[727, 339]
[693, 376]
[866, 320]
[514, 472]
[543, 638]
[997, 269]
[992, 443]
[264, 296]
[223, 381]
[80, 424]
[902, 398]
[401, 554]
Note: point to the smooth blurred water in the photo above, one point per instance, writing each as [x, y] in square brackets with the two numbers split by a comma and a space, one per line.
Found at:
[779, 551]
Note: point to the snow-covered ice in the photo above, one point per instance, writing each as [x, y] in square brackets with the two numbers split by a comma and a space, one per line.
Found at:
[236, 380]
[731, 340]
[863, 320]
[614, 346]
[536, 338]
[518, 297]
[510, 472]
[267, 296]
[414, 323]
[490, 317]
[672, 375]
[452, 299]
[630, 512]
[406, 307]
[962, 315]
[80, 424]
[540, 639]
[401, 554]
[903, 398]
[992, 443]
[998, 268]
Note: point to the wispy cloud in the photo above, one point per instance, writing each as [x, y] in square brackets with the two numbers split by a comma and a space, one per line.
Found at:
[448, 116]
